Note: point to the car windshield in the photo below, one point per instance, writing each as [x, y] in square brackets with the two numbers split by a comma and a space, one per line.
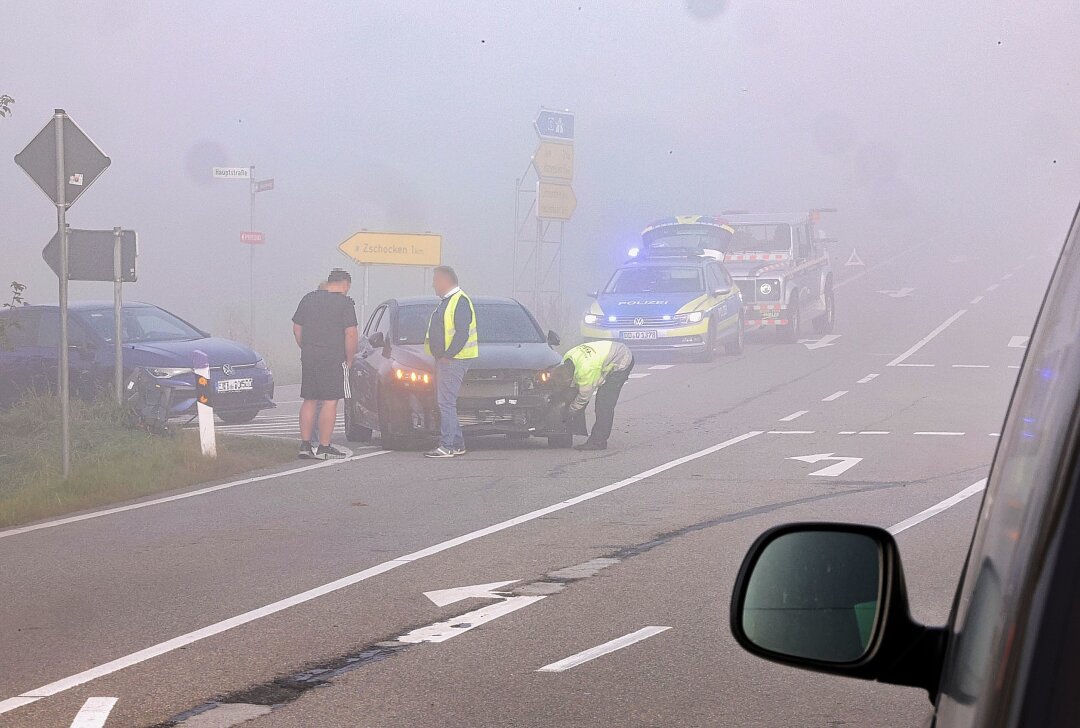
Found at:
[656, 279]
[695, 237]
[141, 324]
[771, 238]
[496, 323]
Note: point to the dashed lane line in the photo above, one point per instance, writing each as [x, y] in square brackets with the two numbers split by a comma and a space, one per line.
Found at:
[927, 339]
[661, 367]
[835, 396]
[938, 507]
[639, 375]
[94, 713]
[941, 433]
[975, 300]
[971, 366]
[794, 416]
[792, 432]
[992, 287]
[867, 378]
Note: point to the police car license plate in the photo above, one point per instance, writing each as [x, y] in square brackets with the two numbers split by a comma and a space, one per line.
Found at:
[770, 314]
[638, 335]
[234, 385]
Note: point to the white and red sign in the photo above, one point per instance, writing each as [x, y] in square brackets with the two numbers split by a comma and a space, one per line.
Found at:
[252, 238]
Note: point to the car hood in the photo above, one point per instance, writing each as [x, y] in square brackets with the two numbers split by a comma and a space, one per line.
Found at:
[644, 304]
[755, 268]
[492, 356]
[179, 353]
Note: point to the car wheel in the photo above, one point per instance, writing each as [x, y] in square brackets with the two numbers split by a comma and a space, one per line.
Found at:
[734, 347]
[709, 353]
[824, 323]
[238, 417]
[790, 332]
[561, 441]
[389, 439]
[354, 431]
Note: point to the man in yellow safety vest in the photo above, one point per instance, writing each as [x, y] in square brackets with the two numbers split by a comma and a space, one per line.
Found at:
[600, 368]
[451, 340]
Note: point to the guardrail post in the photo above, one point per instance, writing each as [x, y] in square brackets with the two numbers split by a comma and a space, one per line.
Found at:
[200, 364]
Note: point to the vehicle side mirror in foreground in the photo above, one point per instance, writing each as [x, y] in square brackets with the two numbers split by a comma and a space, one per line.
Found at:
[553, 338]
[831, 597]
[377, 340]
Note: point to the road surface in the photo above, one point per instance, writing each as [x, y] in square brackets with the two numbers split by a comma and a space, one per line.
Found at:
[604, 578]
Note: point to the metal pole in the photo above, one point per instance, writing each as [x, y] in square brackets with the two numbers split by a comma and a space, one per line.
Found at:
[364, 296]
[61, 224]
[118, 349]
[517, 212]
[251, 257]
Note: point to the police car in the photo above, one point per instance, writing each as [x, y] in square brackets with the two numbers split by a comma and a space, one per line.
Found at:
[665, 300]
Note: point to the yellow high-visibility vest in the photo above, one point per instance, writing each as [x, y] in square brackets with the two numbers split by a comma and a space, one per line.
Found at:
[471, 350]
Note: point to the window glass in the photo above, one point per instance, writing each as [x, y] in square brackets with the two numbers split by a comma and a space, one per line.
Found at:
[496, 323]
[140, 323]
[761, 238]
[373, 321]
[654, 279]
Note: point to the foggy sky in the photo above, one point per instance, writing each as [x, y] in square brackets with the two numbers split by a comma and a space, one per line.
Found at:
[957, 121]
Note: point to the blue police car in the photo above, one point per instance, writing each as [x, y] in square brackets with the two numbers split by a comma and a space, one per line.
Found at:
[669, 301]
[162, 343]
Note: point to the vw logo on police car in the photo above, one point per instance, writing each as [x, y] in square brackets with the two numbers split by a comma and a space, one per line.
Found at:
[639, 321]
[227, 370]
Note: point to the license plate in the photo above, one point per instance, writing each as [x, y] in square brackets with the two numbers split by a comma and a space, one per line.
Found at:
[770, 314]
[638, 335]
[234, 385]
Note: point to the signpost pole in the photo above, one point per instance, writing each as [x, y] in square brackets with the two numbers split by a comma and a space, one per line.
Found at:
[251, 259]
[61, 224]
[118, 349]
[364, 297]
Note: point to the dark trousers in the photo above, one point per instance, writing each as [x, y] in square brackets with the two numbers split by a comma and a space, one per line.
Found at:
[606, 398]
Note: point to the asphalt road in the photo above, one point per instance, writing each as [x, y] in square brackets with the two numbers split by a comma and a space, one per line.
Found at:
[304, 591]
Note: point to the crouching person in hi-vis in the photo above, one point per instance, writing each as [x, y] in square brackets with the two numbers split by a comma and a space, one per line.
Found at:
[600, 368]
[451, 340]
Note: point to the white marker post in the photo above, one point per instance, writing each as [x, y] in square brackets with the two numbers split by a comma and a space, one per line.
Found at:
[200, 364]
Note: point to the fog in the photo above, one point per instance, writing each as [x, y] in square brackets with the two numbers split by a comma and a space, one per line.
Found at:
[952, 122]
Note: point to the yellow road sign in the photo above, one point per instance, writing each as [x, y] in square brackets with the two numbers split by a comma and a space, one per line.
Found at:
[554, 160]
[394, 248]
[556, 201]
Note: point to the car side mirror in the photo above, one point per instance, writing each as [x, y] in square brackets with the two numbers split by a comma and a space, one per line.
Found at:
[593, 294]
[721, 291]
[553, 338]
[831, 597]
[377, 340]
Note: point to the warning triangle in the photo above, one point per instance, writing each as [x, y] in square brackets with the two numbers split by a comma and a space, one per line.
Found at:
[854, 259]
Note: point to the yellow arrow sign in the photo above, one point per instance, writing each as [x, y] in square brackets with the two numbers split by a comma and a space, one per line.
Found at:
[554, 160]
[394, 248]
[556, 201]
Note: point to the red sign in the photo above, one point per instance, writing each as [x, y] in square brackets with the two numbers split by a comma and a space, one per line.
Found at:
[264, 185]
[251, 238]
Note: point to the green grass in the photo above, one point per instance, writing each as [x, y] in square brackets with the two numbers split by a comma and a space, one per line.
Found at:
[110, 461]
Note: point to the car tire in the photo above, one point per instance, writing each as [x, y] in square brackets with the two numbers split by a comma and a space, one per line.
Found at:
[709, 353]
[354, 431]
[824, 323]
[735, 347]
[560, 441]
[790, 332]
[388, 439]
[238, 417]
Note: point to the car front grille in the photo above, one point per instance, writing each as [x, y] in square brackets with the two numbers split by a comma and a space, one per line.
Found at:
[632, 321]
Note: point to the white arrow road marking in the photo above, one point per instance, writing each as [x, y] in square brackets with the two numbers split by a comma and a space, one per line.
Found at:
[844, 463]
[899, 293]
[827, 340]
[1019, 342]
[442, 631]
[605, 649]
[94, 713]
[442, 597]
[926, 339]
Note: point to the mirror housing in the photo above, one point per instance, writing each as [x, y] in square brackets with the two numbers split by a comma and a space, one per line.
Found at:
[895, 649]
[377, 340]
[553, 338]
[721, 291]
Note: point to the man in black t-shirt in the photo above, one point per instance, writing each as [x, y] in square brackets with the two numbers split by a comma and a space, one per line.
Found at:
[326, 332]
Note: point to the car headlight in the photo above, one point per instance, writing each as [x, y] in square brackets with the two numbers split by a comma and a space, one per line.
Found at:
[167, 372]
[591, 318]
[689, 318]
[409, 377]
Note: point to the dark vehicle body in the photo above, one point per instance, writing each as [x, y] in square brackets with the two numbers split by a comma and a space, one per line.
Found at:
[153, 339]
[830, 597]
[505, 391]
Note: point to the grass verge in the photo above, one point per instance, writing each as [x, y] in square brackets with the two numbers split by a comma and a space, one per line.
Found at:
[110, 462]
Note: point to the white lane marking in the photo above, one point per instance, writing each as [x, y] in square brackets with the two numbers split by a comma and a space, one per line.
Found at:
[915, 365]
[183, 640]
[971, 366]
[442, 597]
[660, 367]
[848, 432]
[926, 339]
[943, 433]
[1007, 276]
[867, 378]
[94, 713]
[600, 650]
[442, 631]
[1014, 366]
[1019, 342]
[975, 300]
[992, 287]
[874, 432]
[791, 432]
[639, 375]
[835, 396]
[899, 293]
[842, 465]
[182, 496]
[827, 340]
[995, 434]
[938, 507]
[794, 416]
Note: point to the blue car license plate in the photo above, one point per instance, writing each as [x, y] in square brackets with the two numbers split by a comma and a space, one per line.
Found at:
[234, 385]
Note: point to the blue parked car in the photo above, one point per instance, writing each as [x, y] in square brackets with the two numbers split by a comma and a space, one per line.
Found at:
[153, 338]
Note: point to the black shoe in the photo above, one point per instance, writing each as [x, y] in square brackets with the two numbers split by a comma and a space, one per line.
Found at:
[587, 445]
[328, 452]
[306, 451]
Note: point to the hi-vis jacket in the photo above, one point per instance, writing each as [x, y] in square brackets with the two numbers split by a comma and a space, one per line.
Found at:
[452, 328]
[593, 362]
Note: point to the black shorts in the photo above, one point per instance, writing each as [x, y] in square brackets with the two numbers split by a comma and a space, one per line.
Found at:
[324, 380]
